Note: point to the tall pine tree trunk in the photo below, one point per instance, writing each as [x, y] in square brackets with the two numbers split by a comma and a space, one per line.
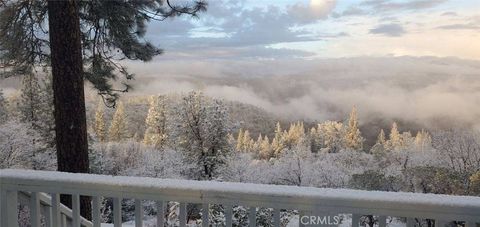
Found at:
[69, 98]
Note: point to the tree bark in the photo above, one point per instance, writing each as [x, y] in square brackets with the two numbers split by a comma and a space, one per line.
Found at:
[68, 87]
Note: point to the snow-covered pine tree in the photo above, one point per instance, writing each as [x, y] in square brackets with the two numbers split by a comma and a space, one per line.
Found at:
[35, 109]
[265, 150]
[395, 138]
[118, 126]
[3, 107]
[379, 147]
[99, 126]
[248, 142]
[30, 102]
[257, 145]
[423, 140]
[332, 134]
[277, 142]
[381, 139]
[295, 135]
[407, 140]
[36, 106]
[239, 145]
[316, 142]
[46, 112]
[156, 123]
[353, 136]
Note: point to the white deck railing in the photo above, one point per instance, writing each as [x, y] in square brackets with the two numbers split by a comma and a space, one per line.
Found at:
[441, 208]
[45, 206]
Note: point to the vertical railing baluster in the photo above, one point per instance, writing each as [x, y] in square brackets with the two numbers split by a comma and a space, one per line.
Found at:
[117, 212]
[56, 210]
[47, 211]
[470, 224]
[252, 216]
[382, 221]
[64, 220]
[138, 213]
[12, 208]
[9, 208]
[3, 207]
[439, 223]
[300, 215]
[96, 218]
[205, 210]
[410, 222]
[356, 220]
[228, 215]
[276, 217]
[183, 215]
[35, 209]
[160, 214]
[76, 210]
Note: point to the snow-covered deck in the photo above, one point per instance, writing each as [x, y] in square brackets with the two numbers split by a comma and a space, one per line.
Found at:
[442, 208]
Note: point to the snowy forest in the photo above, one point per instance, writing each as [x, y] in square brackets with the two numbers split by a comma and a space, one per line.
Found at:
[192, 136]
[376, 95]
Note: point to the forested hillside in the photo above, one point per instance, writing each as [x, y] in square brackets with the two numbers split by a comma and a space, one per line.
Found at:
[193, 136]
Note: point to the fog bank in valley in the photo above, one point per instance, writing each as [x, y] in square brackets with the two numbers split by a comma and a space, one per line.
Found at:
[431, 92]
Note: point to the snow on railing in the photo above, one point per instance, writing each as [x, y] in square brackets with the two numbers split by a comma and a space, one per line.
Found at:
[441, 208]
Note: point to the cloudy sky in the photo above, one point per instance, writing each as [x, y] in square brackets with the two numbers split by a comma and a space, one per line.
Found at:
[275, 29]
[413, 60]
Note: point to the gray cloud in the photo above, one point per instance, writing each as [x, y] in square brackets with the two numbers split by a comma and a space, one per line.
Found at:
[450, 14]
[468, 23]
[352, 11]
[389, 5]
[373, 7]
[460, 27]
[231, 25]
[303, 13]
[388, 30]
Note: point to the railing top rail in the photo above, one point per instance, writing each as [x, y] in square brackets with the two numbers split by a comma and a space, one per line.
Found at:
[249, 194]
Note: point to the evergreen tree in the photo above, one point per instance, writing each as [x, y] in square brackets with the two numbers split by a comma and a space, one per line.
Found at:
[3, 107]
[295, 135]
[395, 138]
[92, 33]
[240, 138]
[379, 147]
[315, 140]
[257, 145]
[407, 140]
[381, 139]
[46, 112]
[332, 134]
[248, 142]
[99, 126]
[423, 140]
[265, 151]
[156, 121]
[30, 103]
[117, 130]
[277, 142]
[353, 137]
